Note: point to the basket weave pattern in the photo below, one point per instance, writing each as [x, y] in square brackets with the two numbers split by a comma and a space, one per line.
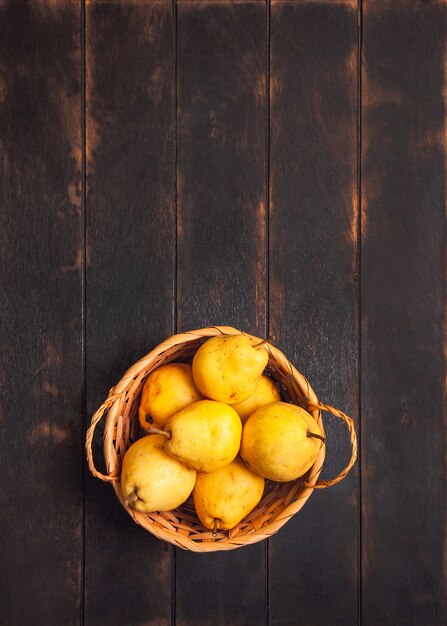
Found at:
[182, 526]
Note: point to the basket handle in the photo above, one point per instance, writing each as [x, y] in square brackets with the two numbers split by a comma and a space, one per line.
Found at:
[319, 406]
[105, 406]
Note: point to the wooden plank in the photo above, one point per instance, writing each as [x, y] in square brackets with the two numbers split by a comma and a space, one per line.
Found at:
[41, 360]
[313, 301]
[130, 274]
[403, 321]
[221, 243]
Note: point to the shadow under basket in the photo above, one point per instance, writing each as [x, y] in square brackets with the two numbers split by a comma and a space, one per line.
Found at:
[181, 526]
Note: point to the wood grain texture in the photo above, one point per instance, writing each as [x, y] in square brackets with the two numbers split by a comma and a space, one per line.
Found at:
[221, 115]
[221, 164]
[130, 275]
[403, 319]
[40, 266]
[142, 276]
[313, 301]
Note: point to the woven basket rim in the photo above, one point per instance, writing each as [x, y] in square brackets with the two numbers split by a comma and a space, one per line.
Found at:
[121, 401]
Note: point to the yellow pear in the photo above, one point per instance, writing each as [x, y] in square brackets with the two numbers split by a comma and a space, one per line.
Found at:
[151, 480]
[224, 497]
[281, 441]
[205, 436]
[266, 392]
[227, 368]
[167, 390]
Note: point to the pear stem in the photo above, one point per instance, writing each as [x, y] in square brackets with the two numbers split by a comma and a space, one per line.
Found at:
[215, 528]
[269, 339]
[311, 434]
[131, 498]
[157, 431]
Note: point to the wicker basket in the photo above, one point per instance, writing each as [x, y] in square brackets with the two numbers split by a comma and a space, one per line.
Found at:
[182, 526]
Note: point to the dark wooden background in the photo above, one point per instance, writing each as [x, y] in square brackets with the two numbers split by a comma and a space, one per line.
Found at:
[277, 166]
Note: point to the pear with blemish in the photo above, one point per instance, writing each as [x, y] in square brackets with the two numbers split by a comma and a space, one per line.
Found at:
[281, 441]
[224, 497]
[151, 480]
[167, 390]
[227, 368]
[266, 392]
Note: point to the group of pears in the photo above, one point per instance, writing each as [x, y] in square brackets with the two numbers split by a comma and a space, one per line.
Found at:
[216, 429]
